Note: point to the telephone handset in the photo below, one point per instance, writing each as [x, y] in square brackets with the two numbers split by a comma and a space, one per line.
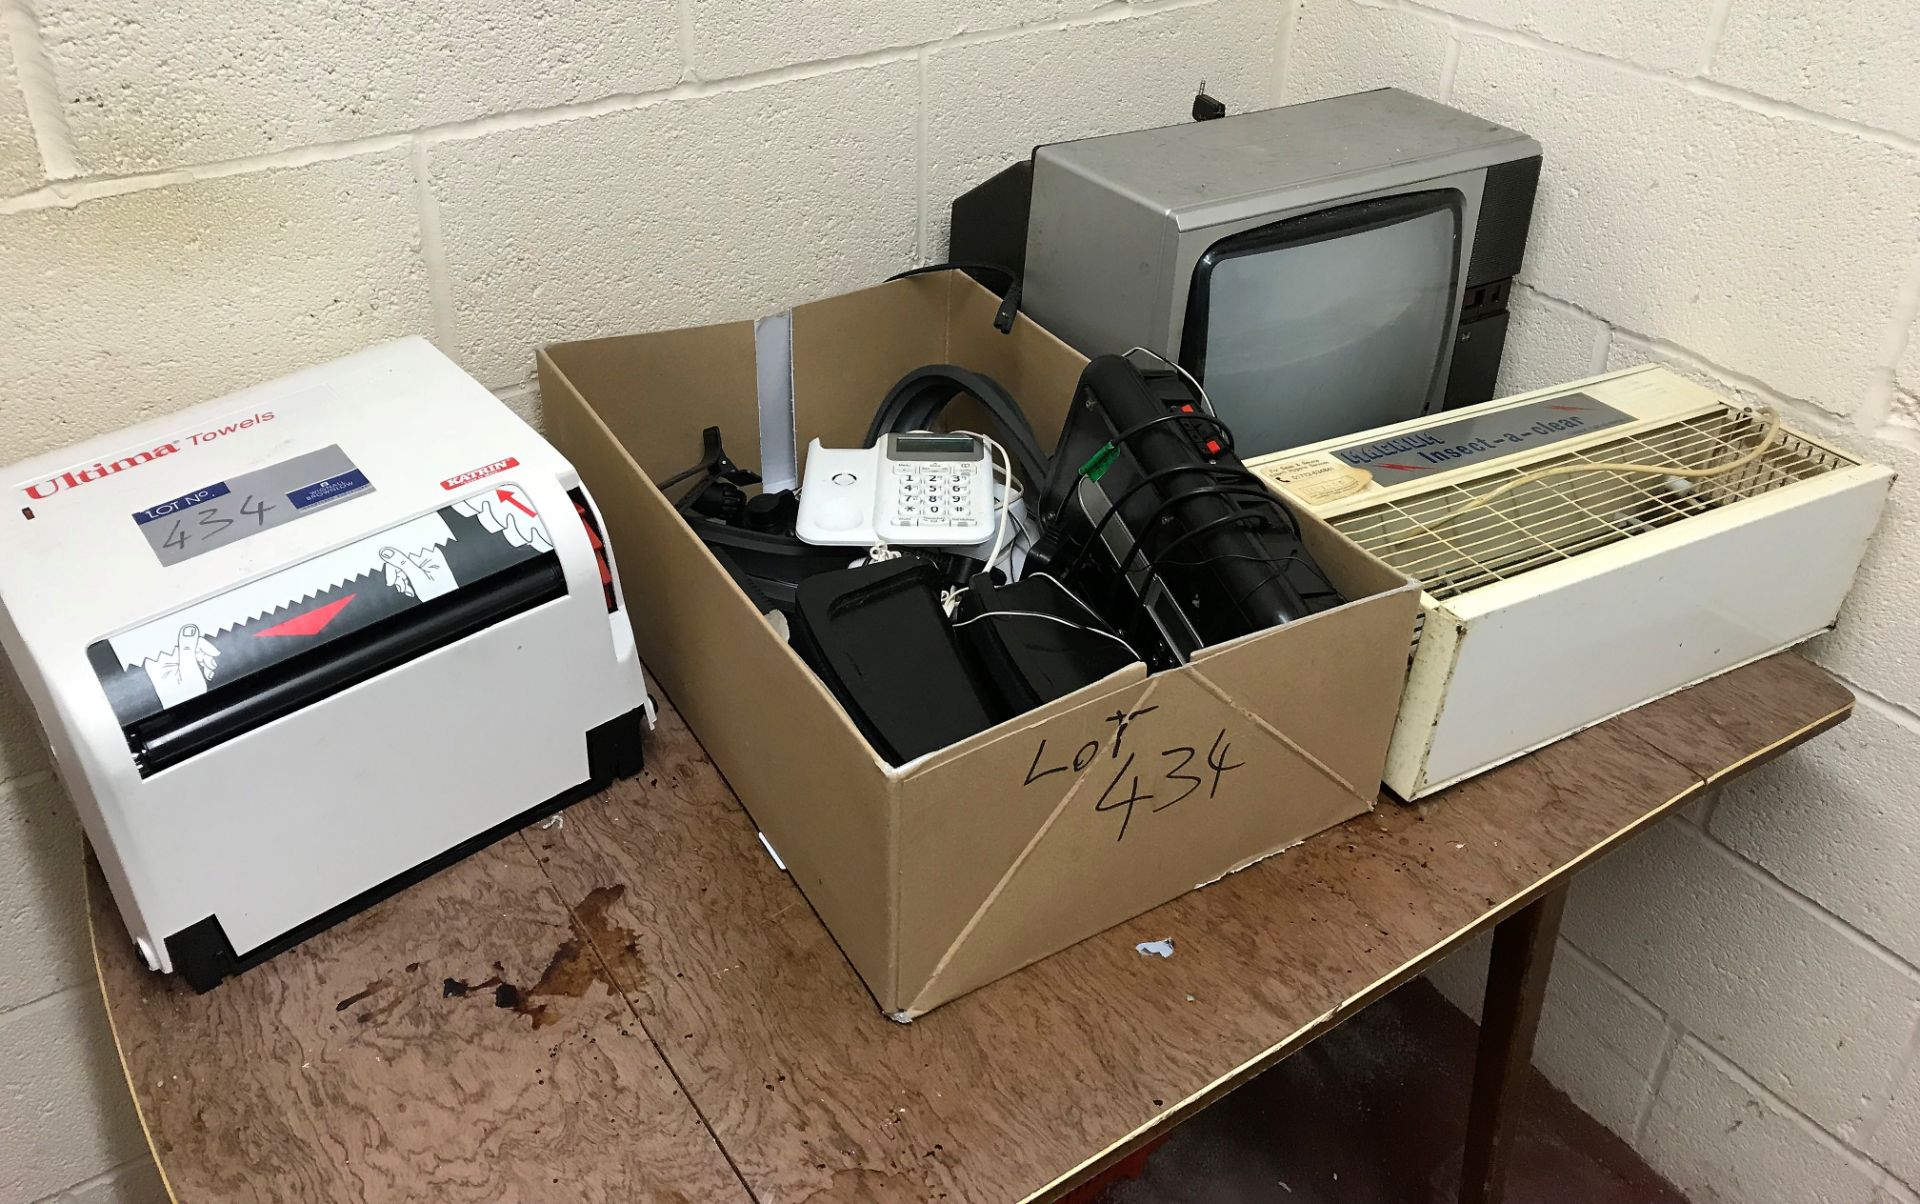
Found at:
[914, 489]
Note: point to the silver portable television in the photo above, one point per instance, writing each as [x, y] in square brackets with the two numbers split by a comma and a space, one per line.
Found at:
[1322, 268]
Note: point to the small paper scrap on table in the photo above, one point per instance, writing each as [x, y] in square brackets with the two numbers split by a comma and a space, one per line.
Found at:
[1159, 948]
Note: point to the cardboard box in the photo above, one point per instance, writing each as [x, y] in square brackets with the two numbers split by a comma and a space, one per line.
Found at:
[947, 873]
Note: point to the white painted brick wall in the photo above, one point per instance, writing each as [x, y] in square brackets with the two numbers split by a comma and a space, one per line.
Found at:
[19, 158]
[1853, 60]
[138, 304]
[156, 83]
[1838, 824]
[133, 1182]
[735, 37]
[1814, 1012]
[63, 1103]
[1732, 187]
[1667, 34]
[820, 196]
[23, 750]
[197, 196]
[1702, 207]
[1723, 1140]
[1897, 1142]
[990, 103]
[1340, 47]
[1548, 342]
[43, 927]
[1907, 373]
[1599, 1041]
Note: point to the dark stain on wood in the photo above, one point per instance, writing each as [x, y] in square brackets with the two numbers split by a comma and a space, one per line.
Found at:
[1021, 1079]
[424, 1099]
[1021, 1085]
[576, 964]
[454, 988]
[357, 996]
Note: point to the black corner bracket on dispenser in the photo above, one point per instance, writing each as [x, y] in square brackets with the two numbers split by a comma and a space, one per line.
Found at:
[204, 957]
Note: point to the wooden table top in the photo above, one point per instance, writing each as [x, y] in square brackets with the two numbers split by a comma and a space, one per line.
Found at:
[638, 1005]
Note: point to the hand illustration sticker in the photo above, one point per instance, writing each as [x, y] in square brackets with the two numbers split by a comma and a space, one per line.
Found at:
[423, 574]
[182, 671]
[503, 512]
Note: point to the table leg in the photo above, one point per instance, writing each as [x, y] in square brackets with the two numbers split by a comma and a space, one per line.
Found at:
[1523, 945]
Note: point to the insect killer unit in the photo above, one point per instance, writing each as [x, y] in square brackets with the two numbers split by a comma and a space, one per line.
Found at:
[295, 648]
[1585, 549]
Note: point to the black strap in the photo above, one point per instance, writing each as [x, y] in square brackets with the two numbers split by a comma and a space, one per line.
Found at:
[1009, 300]
[919, 396]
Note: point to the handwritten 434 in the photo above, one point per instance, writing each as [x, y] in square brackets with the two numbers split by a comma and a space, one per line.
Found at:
[1157, 781]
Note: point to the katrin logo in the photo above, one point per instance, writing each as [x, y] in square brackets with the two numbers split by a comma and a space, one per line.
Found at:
[73, 478]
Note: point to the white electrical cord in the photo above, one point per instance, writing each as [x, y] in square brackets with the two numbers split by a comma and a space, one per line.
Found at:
[1062, 587]
[950, 597]
[1766, 414]
[1006, 500]
[1034, 614]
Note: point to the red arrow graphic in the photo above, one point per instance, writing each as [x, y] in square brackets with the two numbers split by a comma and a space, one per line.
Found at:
[311, 623]
[506, 495]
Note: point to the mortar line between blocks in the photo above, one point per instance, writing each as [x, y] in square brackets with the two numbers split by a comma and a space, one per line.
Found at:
[1789, 405]
[683, 40]
[66, 194]
[1716, 30]
[1893, 712]
[1766, 106]
[1283, 50]
[69, 192]
[1656, 1081]
[10, 787]
[39, 90]
[1876, 1116]
[1807, 1125]
[923, 252]
[1602, 348]
[71, 1190]
[1450, 65]
[1602, 970]
[40, 1001]
[1806, 903]
[1893, 345]
[433, 248]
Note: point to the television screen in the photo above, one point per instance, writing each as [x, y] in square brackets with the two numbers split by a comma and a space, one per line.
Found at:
[1328, 323]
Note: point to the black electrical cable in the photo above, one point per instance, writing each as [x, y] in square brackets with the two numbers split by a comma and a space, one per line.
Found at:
[1220, 523]
[1279, 568]
[1225, 432]
[1254, 492]
[1127, 495]
[1153, 566]
[1215, 470]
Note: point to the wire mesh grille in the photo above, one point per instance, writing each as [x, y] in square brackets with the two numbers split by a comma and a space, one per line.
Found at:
[1451, 549]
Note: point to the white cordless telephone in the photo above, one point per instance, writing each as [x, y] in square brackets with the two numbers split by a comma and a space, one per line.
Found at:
[914, 489]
